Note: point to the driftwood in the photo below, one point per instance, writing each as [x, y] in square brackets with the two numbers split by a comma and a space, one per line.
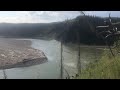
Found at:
[110, 32]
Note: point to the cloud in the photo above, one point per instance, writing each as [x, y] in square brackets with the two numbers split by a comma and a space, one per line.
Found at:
[104, 13]
[53, 16]
[47, 16]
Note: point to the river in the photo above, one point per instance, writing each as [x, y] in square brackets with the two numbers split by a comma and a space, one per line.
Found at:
[51, 69]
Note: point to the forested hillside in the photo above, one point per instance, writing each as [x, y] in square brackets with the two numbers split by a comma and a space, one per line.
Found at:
[66, 31]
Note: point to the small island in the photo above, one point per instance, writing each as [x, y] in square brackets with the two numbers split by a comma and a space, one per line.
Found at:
[19, 53]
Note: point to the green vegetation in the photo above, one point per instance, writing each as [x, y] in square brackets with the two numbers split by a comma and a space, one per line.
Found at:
[62, 31]
[107, 67]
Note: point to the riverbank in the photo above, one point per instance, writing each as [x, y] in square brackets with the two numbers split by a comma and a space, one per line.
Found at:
[19, 53]
[107, 67]
[51, 69]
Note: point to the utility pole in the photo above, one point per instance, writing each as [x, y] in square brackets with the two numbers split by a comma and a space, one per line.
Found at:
[5, 76]
[61, 69]
[79, 60]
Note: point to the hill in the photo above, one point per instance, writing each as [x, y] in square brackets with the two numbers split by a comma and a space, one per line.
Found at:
[66, 31]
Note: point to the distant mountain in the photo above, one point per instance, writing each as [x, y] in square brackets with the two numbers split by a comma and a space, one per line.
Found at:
[66, 31]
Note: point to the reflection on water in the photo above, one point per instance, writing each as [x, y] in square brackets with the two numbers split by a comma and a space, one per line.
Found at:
[51, 69]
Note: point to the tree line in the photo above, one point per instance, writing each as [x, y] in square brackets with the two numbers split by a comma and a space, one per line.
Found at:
[65, 31]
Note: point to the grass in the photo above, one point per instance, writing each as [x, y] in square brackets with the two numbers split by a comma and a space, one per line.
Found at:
[107, 67]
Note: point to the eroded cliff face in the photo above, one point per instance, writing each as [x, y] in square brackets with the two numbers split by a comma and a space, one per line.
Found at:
[18, 53]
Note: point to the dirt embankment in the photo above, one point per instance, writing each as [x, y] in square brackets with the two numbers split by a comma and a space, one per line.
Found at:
[18, 53]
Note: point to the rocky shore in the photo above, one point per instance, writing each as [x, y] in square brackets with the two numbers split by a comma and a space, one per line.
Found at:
[18, 53]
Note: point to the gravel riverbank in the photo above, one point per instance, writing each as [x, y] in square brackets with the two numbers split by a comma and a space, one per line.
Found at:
[19, 53]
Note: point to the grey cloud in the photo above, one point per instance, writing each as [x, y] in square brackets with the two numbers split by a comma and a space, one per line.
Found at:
[53, 16]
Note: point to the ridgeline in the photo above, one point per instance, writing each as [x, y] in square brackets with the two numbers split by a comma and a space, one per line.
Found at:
[66, 31]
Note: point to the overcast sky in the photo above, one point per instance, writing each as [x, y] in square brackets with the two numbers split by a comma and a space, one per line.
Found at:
[47, 16]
